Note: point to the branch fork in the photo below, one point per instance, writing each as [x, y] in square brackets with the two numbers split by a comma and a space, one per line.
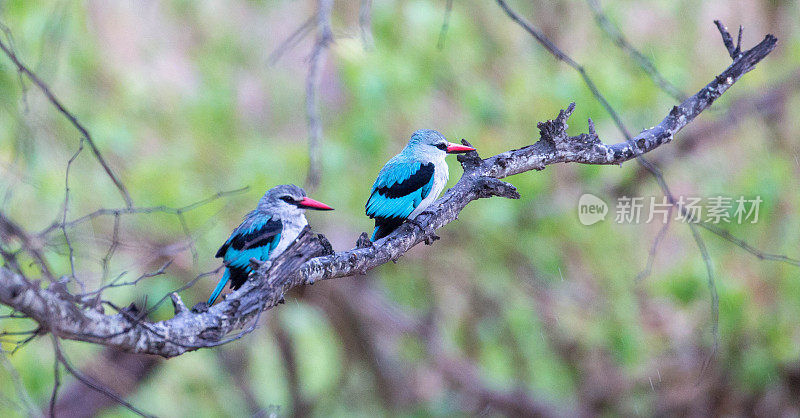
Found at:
[310, 258]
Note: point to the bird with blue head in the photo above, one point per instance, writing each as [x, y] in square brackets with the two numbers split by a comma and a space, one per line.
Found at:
[264, 233]
[410, 181]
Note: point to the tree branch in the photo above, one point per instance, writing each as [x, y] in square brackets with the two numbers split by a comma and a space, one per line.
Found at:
[311, 259]
[644, 63]
[71, 118]
[324, 38]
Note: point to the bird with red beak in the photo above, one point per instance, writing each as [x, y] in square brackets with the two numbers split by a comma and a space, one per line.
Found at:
[264, 233]
[410, 181]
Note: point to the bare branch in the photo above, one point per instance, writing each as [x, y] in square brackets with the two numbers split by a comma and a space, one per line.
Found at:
[64, 215]
[365, 23]
[651, 256]
[116, 282]
[587, 148]
[7, 31]
[111, 248]
[733, 50]
[561, 56]
[56, 380]
[32, 246]
[769, 104]
[324, 38]
[19, 387]
[120, 372]
[311, 259]
[177, 303]
[448, 10]
[301, 407]
[769, 42]
[616, 35]
[71, 118]
[380, 320]
[747, 247]
[137, 210]
[237, 365]
[90, 383]
[712, 289]
[293, 39]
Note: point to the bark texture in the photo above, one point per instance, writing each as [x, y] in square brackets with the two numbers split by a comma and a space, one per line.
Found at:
[311, 259]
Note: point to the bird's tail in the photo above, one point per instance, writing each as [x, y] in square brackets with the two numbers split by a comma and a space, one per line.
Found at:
[385, 226]
[220, 286]
[375, 234]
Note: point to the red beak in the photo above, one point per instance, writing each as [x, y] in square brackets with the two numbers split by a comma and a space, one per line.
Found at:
[310, 203]
[458, 149]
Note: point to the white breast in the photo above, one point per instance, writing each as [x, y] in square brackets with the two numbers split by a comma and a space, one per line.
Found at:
[440, 176]
[291, 229]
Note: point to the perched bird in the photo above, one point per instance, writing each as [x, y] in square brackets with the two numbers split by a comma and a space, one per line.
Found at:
[410, 181]
[264, 233]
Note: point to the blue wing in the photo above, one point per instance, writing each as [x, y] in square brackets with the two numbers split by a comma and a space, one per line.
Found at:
[399, 189]
[254, 238]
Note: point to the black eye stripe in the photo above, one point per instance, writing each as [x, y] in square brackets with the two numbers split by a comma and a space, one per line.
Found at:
[287, 199]
[442, 147]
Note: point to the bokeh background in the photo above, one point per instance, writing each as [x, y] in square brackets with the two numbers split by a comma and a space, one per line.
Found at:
[517, 303]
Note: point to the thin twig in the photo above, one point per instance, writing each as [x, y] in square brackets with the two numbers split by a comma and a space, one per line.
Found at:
[365, 23]
[56, 379]
[616, 35]
[733, 50]
[137, 210]
[64, 215]
[550, 46]
[324, 38]
[290, 42]
[310, 258]
[71, 118]
[19, 387]
[111, 248]
[448, 10]
[712, 289]
[116, 282]
[24, 88]
[32, 246]
[561, 56]
[651, 256]
[747, 247]
[94, 385]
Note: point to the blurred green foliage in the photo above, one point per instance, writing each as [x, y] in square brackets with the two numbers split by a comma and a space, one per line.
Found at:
[180, 98]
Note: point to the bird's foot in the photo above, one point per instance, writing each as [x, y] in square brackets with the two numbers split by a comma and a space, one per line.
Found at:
[429, 236]
[363, 241]
[259, 265]
[200, 307]
[417, 224]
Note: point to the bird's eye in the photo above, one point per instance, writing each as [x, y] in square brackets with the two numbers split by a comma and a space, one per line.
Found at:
[287, 199]
[442, 146]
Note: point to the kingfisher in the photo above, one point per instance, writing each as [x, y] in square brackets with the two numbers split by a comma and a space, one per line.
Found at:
[264, 233]
[410, 181]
